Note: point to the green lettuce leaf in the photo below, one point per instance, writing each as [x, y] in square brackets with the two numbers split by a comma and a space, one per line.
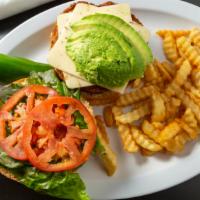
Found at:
[79, 120]
[49, 78]
[65, 185]
[9, 162]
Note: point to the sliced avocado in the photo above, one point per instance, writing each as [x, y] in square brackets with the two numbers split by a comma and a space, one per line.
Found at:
[132, 53]
[134, 37]
[100, 62]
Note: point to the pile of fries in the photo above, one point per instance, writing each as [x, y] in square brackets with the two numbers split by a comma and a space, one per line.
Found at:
[164, 106]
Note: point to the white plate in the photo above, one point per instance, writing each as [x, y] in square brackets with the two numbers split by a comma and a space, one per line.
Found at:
[136, 175]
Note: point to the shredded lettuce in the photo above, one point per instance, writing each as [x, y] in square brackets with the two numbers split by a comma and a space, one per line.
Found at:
[7, 91]
[49, 78]
[79, 120]
[9, 162]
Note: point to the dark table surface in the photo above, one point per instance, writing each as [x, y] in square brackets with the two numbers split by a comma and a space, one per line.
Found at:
[10, 190]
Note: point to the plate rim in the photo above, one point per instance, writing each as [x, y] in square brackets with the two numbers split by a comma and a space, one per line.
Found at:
[169, 7]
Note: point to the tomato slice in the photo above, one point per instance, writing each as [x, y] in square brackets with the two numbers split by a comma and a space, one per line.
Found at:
[52, 141]
[11, 143]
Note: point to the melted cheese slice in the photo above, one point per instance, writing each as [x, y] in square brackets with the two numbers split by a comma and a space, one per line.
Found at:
[58, 57]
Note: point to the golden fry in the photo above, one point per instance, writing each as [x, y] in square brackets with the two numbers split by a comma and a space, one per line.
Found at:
[183, 73]
[102, 128]
[134, 96]
[150, 130]
[179, 62]
[176, 144]
[128, 143]
[166, 75]
[138, 83]
[187, 101]
[190, 131]
[169, 68]
[165, 103]
[117, 111]
[175, 33]
[127, 140]
[189, 118]
[134, 115]
[158, 108]
[171, 130]
[196, 77]
[107, 157]
[186, 49]
[195, 36]
[169, 47]
[143, 141]
[108, 116]
[151, 73]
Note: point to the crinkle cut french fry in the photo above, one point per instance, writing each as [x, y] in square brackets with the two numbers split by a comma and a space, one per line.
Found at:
[179, 62]
[169, 67]
[127, 140]
[171, 130]
[169, 47]
[136, 95]
[180, 78]
[193, 97]
[169, 91]
[140, 103]
[165, 74]
[117, 111]
[190, 88]
[189, 118]
[190, 131]
[175, 33]
[196, 77]
[158, 108]
[187, 101]
[158, 125]
[176, 144]
[138, 83]
[183, 73]
[150, 130]
[195, 36]
[186, 49]
[128, 143]
[108, 157]
[134, 115]
[151, 73]
[172, 107]
[143, 141]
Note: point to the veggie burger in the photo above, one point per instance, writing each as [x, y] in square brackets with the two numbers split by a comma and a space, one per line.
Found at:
[47, 129]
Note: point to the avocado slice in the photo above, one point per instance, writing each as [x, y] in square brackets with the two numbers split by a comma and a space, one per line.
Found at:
[132, 53]
[134, 37]
[89, 46]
